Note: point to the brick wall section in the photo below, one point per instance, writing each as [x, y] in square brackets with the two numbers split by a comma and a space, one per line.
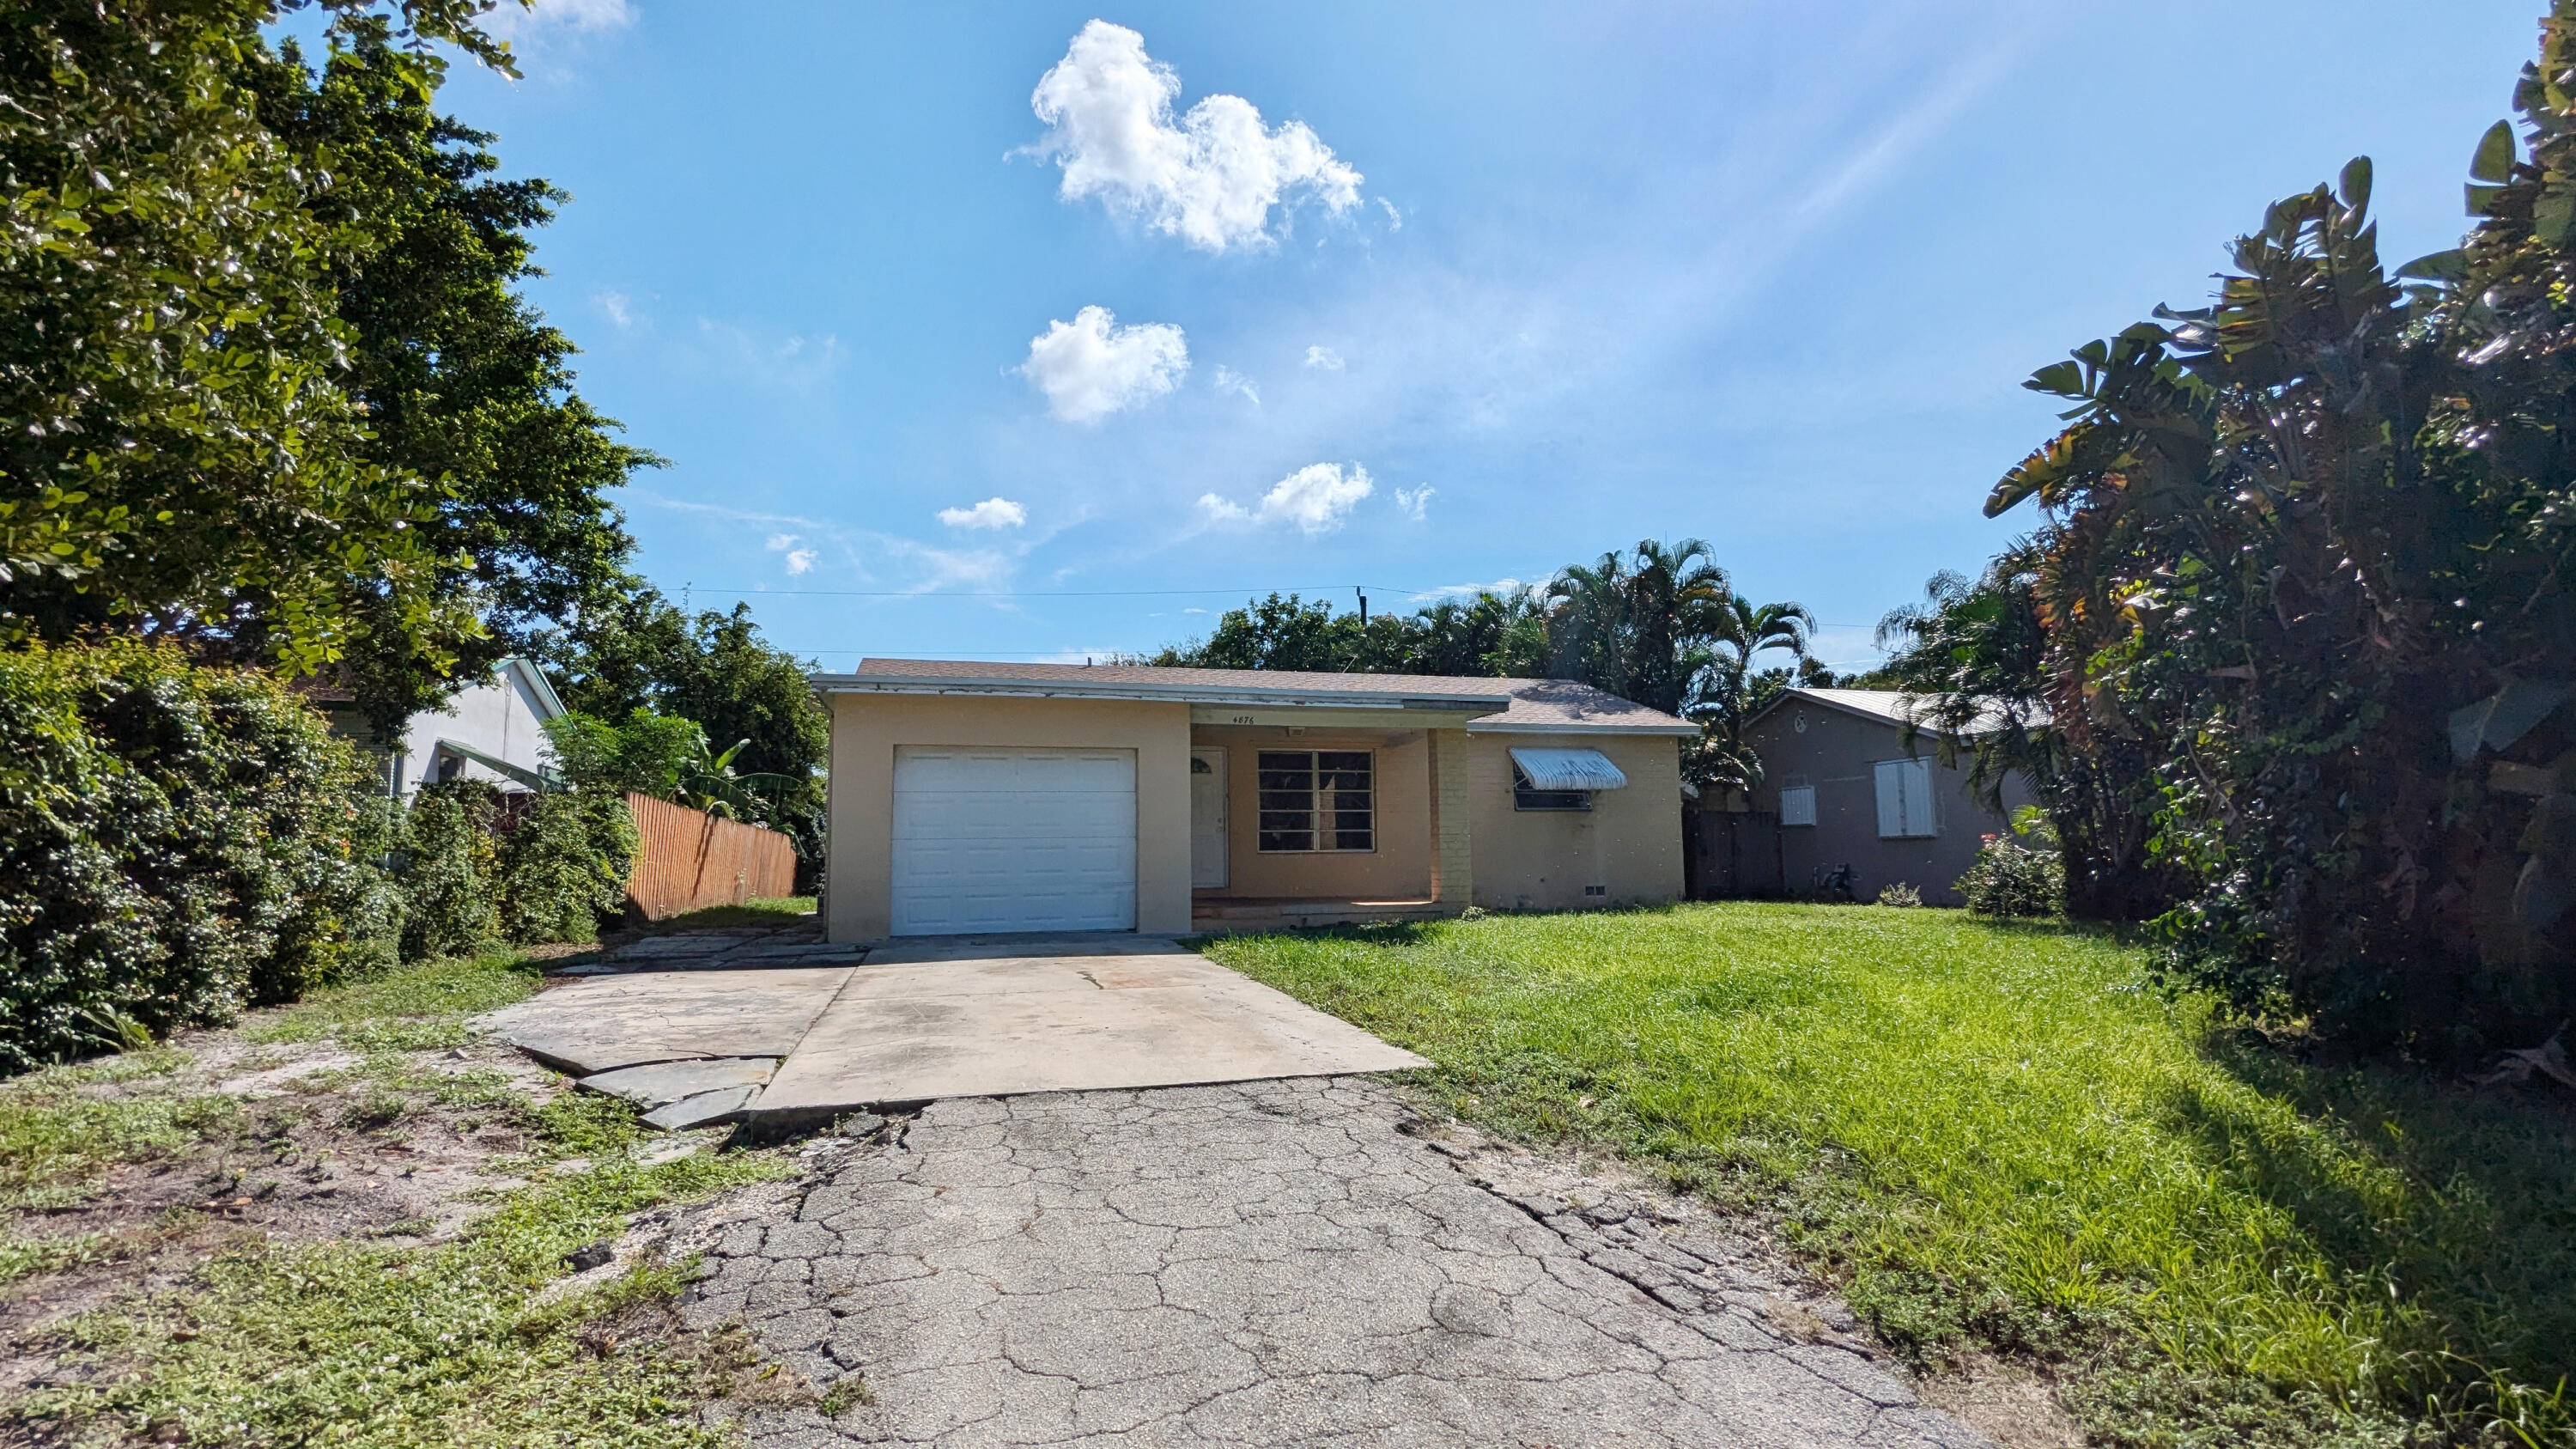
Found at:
[1453, 873]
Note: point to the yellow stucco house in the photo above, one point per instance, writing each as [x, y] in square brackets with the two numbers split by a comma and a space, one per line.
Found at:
[971, 798]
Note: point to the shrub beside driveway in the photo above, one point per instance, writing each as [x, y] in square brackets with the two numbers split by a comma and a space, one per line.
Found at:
[1997, 1137]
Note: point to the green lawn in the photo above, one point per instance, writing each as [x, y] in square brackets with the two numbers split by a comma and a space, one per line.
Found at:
[1996, 1136]
[758, 911]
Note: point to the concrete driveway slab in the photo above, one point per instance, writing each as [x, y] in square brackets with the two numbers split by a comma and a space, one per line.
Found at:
[1054, 1016]
[608, 1022]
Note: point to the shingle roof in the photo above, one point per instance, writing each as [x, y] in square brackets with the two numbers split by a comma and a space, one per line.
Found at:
[1533, 705]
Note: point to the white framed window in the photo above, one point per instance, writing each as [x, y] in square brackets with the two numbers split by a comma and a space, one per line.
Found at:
[1905, 804]
[1317, 800]
[1797, 804]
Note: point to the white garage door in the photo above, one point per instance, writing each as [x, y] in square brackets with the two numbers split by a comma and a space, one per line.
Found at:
[1013, 840]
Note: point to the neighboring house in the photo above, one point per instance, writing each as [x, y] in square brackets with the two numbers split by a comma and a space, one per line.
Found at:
[1844, 782]
[492, 731]
[1045, 797]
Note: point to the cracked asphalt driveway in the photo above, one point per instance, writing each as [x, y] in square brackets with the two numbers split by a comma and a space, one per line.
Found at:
[1270, 1263]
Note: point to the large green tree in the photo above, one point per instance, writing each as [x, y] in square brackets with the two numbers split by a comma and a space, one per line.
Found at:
[630, 648]
[268, 390]
[461, 380]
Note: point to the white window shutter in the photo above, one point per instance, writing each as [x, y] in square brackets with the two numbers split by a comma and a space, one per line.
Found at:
[1904, 799]
[1798, 805]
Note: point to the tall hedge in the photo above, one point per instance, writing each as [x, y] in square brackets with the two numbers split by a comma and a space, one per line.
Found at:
[176, 843]
[564, 866]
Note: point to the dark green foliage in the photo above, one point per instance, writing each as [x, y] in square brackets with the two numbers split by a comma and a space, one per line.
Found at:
[632, 650]
[272, 392]
[1639, 627]
[179, 453]
[565, 865]
[175, 843]
[448, 869]
[2301, 589]
[2011, 879]
[1977, 658]
[461, 378]
[648, 753]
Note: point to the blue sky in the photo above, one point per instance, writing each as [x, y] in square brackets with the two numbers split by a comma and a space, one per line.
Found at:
[1480, 291]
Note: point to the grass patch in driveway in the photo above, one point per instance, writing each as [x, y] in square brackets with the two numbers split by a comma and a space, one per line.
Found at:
[758, 911]
[1991, 1134]
[419, 1007]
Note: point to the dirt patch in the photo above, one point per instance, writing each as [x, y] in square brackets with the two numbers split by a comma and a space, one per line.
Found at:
[2014, 1407]
[303, 1142]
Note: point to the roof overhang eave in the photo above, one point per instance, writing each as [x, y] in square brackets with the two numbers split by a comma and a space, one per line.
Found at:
[1591, 731]
[831, 684]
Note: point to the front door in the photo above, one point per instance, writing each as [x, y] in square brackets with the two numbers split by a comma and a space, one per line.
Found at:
[1207, 818]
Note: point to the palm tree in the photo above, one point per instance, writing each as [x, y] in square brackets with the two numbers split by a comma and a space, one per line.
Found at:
[1634, 625]
[1726, 692]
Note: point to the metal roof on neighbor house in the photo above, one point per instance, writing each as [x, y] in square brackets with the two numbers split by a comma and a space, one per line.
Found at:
[1888, 705]
[1503, 705]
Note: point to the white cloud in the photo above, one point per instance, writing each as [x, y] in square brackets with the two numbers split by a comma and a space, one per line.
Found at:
[1229, 380]
[1090, 367]
[1394, 218]
[800, 560]
[512, 20]
[869, 557]
[1317, 498]
[1412, 501]
[780, 542]
[991, 513]
[1209, 177]
[619, 307]
[793, 363]
[1325, 358]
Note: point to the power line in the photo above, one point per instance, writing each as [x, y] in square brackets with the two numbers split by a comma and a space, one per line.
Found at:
[1044, 593]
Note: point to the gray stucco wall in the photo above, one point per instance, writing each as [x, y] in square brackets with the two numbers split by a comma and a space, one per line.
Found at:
[1836, 753]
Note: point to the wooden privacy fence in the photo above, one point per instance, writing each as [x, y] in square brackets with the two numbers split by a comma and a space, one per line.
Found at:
[690, 860]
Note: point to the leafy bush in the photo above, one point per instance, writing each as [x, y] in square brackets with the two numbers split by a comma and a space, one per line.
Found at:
[175, 843]
[448, 867]
[668, 758]
[565, 866]
[1898, 893]
[2011, 879]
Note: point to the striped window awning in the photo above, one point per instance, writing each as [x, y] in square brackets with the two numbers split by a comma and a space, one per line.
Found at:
[1568, 770]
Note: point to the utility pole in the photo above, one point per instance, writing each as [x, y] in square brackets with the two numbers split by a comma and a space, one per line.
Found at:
[1362, 591]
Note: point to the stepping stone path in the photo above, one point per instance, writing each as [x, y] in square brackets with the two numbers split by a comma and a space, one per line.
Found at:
[692, 1053]
[764, 948]
[786, 1033]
